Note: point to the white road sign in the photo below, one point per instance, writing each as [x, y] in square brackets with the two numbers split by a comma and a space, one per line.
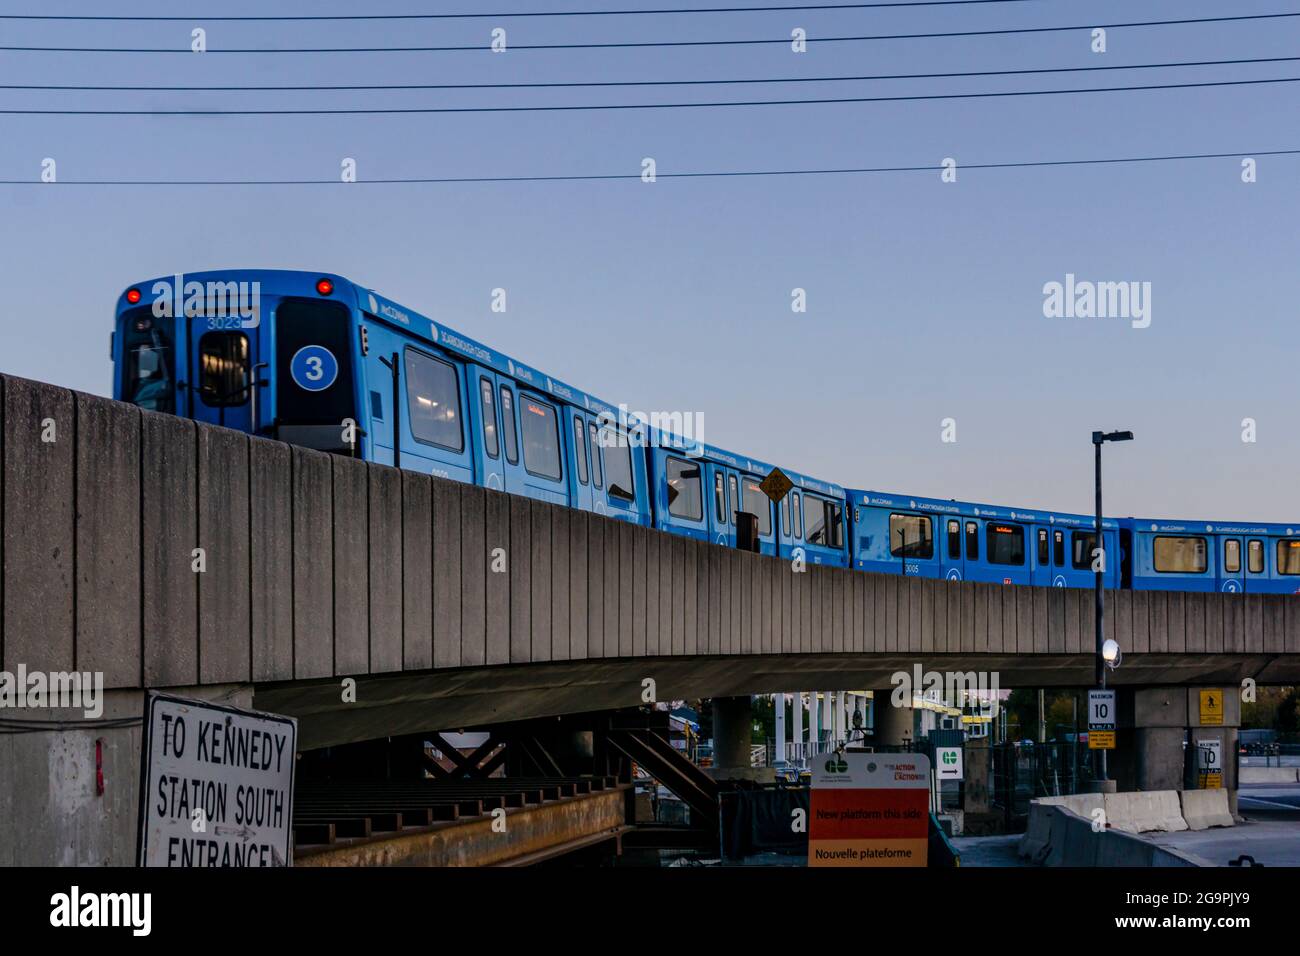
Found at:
[947, 763]
[216, 785]
[1101, 710]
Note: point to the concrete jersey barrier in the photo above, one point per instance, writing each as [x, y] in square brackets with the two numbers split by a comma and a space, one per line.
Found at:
[1203, 809]
[1142, 811]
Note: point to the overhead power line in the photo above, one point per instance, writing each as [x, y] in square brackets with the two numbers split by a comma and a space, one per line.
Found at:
[634, 83]
[357, 111]
[651, 43]
[656, 11]
[724, 174]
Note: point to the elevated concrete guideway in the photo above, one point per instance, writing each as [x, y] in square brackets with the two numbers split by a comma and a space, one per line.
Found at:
[320, 568]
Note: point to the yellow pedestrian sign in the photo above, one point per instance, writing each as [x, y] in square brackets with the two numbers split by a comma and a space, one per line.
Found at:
[1211, 708]
[776, 485]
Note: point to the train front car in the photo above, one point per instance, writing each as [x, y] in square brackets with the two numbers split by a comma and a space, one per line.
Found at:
[271, 353]
[1251, 558]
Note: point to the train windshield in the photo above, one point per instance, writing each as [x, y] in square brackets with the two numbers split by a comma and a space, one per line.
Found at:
[150, 363]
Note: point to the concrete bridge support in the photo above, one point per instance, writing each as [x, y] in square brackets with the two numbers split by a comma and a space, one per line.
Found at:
[53, 811]
[1160, 728]
[894, 726]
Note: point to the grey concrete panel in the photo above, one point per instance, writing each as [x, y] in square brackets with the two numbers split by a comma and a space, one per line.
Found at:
[475, 561]
[520, 554]
[386, 600]
[560, 612]
[691, 586]
[40, 449]
[225, 598]
[994, 640]
[313, 564]
[351, 531]
[596, 585]
[270, 555]
[1158, 615]
[169, 532]
[1274, 630]
[612, 575]
[1177, 626]
[496, 548]
[626, 571]
[417, 571]
[108, 540]
[640, 589]
[578, 579]
[447, 565]
[1141, 604]
[540, 580]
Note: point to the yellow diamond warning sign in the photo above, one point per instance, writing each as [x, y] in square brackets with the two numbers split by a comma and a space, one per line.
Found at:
[776, 485]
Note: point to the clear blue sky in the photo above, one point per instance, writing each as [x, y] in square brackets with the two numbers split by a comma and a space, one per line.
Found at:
[924, 299]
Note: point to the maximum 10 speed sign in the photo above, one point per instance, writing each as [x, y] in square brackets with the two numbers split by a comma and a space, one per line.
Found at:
[1101, 720]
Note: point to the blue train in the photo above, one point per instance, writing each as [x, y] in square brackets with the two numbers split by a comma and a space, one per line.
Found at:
[315, 360]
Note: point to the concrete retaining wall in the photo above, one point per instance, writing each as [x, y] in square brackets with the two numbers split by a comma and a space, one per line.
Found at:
[1270, 775]
[325, 567]
[1073, 841]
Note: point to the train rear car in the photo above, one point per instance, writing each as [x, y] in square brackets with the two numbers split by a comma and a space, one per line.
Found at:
[1214, 556]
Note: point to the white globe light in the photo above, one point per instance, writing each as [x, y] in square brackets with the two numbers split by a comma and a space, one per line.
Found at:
[1111, 653]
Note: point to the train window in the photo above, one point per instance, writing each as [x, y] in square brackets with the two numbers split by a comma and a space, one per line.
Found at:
[490, 442]
[954, 540]
[835, 520]
[1058, 548]
[580, 449]
[597, 479]
[733, 500]
[148, 348]
[1232, 556]
[433, 401]
[684, 489]
[618, 463]
[1006, 543]
[719, 498]
[1180, 555]
[223, 369]
[508, 425]
[1255, 556]
[972, 541]
[1082, 543]
[797, 508]
[541, 439]
[758, 504]
[814, 520]
[785, 516]
[1042, 547]
[909, 536]
[1288, 556]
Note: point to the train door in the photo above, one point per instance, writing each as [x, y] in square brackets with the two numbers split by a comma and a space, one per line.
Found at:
[579, 457]
[1232, 579]
[225, 362]
[754, 500]
[485, 425]
[721, 523]
[954, 565]
[514, 477]
[1041, 551]
[1256, 569]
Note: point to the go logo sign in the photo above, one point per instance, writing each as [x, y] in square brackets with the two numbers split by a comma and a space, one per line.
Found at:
[313, 368]
[950, 757]
[837, 765]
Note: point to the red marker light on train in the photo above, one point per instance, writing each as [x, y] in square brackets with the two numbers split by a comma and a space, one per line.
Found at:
[133, 296]
[324, 286]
